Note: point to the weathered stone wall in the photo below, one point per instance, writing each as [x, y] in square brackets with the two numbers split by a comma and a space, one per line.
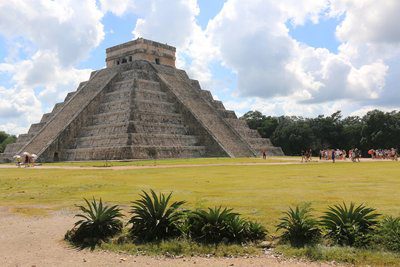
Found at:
[141, 49]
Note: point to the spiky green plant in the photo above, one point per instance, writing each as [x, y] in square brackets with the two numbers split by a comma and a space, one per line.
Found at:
[255, 231]
[350, 226]
[236, 229]
[299, 227]
[99, 222]
[213, 225]
[388, 233]
[154, 218]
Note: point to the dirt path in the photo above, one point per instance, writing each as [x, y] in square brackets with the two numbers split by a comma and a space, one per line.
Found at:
[132, 167]
[37, 241]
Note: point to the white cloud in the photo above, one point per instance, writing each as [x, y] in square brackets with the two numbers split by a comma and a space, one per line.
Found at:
[70, 28]
[270, 63]
[368, 21]
[18, 108]
[168, 21]
[117, 7]
[50, 37]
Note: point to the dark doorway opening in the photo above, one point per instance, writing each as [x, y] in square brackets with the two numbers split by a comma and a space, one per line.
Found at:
[56, 158]
[124, 60]
[130, 58]
[157, 61]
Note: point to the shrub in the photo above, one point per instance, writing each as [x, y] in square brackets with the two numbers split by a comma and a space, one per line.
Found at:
[350, 226]
[388, 233]
[255, 231]
[154, 218]
[299, 227]
[236, 229]
[212, 225]
[223, 225]
[99, 222]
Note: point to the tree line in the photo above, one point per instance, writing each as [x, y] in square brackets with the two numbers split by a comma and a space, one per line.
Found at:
[376, 129]
[6, 139]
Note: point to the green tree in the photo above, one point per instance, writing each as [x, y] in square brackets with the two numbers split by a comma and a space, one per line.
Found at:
[254, 119]
[380, 129]
[377, 129]
[268, 126]
[351, 134]
[327, 131]
[6, 139]
[293, 135]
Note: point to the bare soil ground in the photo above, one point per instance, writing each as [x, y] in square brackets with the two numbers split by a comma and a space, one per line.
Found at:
[38, 241]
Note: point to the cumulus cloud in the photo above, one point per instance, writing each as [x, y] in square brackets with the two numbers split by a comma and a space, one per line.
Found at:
[70, 28]
[46, 40]
[270, 63]
[118, 7]
[168, 21]
[368, 21]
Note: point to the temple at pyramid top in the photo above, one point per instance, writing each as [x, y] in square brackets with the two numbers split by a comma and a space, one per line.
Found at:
[140, 106]
[141, 49]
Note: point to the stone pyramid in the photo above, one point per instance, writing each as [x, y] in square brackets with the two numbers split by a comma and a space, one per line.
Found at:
[140, 106]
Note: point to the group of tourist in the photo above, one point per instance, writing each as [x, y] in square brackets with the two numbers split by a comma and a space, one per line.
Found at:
[340, 154]
[353, 154]
[384, 154]
[26, 160]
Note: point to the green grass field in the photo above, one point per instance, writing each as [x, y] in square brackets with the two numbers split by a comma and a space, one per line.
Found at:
[258, 192]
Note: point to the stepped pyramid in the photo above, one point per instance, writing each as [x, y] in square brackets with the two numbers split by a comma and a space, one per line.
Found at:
[140, 106]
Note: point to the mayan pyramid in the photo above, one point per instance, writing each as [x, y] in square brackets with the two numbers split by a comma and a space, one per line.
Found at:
[140, 106]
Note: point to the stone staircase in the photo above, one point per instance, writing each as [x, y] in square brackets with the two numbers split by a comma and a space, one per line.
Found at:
[64, 114]
[159, 128]
[181, 86]
[252, 137]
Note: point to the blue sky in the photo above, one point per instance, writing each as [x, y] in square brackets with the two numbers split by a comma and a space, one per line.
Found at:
[320, 34]
[286, 57]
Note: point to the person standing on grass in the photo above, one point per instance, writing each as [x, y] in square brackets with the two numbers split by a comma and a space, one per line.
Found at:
[333, 155]
[309, 155]
[26, 161]
[264, 154]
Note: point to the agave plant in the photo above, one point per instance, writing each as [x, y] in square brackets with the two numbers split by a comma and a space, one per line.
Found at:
[299, 227]
[388, 233]
[214, 225]
[254, 231]
[98, 222]
[236, 229]
[350, 226]
[154, 218]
